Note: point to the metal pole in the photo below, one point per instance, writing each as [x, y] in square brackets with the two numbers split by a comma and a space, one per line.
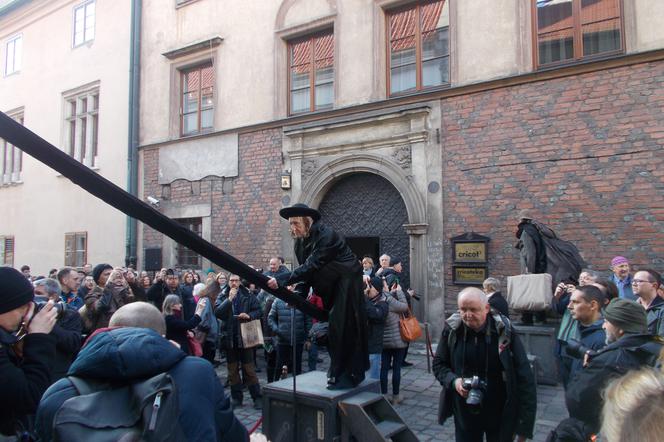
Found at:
[294, 371]
[35, 146]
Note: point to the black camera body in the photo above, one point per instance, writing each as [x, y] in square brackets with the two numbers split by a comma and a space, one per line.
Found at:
[476, 388]
[59, 306]
[576, 349]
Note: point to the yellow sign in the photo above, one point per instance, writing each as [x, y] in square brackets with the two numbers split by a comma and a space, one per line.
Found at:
[470, 252]
[469, 275]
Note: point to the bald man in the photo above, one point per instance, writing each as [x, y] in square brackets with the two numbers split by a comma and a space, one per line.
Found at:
[137, 350]
[481, 345]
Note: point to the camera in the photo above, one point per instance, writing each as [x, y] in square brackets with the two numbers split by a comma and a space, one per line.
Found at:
[476, 388]
[577, 350]
[58, 306]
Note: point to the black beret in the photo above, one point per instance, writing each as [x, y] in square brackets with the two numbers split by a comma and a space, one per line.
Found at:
[15, 289]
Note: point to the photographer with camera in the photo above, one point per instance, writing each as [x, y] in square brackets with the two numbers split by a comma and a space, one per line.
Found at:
[630, 347]
[27, 351]
[487, 382]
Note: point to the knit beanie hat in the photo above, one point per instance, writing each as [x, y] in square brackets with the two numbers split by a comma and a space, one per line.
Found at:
[627, 315]
[98, 270]
[619, 260]
[15, 289]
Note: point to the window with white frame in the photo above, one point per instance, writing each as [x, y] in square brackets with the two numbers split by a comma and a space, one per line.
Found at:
[84, 23]
[11, 157]
[81, 125]
[13, 54]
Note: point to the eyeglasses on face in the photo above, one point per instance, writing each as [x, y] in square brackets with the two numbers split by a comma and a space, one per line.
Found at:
[640, 281]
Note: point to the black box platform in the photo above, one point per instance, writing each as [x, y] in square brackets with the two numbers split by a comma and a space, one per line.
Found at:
[317, 408]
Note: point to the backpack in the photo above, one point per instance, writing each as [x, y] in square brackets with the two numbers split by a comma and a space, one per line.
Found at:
[146, 410]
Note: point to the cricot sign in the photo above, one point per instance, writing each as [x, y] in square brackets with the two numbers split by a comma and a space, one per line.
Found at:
[469, 259]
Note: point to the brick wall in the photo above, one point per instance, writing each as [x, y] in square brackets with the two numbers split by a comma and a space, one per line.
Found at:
[245, 219]
[584, 153]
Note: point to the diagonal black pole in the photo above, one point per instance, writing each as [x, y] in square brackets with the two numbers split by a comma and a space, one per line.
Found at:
[35, 146]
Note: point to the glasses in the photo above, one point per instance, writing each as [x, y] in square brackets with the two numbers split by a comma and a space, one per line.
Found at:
[640, 281]
[235, 280]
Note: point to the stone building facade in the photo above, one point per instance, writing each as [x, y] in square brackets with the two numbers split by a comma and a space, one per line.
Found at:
[579, 143]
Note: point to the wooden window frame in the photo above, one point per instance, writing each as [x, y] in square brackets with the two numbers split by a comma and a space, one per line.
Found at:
[7, 239]
[84, 6]
[312, 72]
[75, 251]
[186, 222]
[199, 110]
[418, 50]
[577, 38]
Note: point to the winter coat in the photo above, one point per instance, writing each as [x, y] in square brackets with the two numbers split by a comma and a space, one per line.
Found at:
[392, 332]
[67, 331]
[101, 303]
[129, 354]
[498, 302]
[230, 325]
[177, 330]
[279, 321]
[655, 312]
[23, 380]
[593, 337]
[583, 395]
[209, 323]
[624, 287]
[532, 249]
[521, 398]
[377, 311]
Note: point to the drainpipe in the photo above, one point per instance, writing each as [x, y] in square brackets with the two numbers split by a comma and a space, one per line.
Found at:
[132, 149]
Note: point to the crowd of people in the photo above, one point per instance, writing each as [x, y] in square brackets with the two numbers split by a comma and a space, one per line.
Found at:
[85, 322]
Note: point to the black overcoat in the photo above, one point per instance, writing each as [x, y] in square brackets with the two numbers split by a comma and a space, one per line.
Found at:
[329, 266]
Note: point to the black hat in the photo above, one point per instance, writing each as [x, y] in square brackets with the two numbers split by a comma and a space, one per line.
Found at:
[394, 260]
[170, 272]
[98, 270]
[377, 283]
[15, 289]
[299, 209]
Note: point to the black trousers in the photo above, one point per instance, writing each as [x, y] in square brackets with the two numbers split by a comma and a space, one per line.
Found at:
[474, 433]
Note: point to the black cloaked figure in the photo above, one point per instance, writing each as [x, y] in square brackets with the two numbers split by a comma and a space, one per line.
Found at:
[328, 265]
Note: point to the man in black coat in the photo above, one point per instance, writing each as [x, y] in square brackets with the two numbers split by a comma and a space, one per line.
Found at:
[329, 266]
[630, 348]
[27, 351]
[482, 343]
[168, 284]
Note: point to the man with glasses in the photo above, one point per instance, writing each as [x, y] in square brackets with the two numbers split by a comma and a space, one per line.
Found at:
[234, 306]
[645, 285]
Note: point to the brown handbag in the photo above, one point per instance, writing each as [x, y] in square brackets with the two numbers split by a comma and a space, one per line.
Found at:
[409, 327]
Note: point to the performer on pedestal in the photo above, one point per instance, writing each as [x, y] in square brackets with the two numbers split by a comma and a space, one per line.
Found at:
[329, 266]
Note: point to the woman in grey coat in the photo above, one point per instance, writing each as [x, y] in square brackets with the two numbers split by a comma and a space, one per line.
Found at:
[393, 345]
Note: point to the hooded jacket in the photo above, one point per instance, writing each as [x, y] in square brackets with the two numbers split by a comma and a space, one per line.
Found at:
[521, 398]
[127, 354]
[583, 396]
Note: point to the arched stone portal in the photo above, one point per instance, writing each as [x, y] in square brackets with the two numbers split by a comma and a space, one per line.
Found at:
[369, 211]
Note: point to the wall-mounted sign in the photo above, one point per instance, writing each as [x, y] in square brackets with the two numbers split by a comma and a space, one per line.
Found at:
[469, 275]
[470, 252]
[470, 259]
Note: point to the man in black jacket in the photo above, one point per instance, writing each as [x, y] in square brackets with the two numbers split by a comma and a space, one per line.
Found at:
[630, 347]
[330, 267]
[234, 306]
[168, 283]
[67, 331]
[27, 351]
[480, 345]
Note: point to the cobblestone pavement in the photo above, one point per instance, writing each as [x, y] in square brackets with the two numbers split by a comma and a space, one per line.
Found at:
[420, 406]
